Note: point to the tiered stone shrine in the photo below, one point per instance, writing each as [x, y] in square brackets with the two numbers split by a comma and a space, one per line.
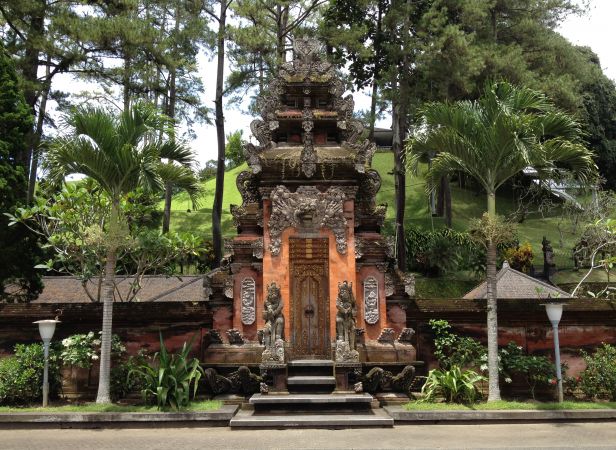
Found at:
[309, 275]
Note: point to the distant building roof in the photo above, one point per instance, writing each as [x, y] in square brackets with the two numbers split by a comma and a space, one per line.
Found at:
[383, 137]
[68, 289]
[511, 283]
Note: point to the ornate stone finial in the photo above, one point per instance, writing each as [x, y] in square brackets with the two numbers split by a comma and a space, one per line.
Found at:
[274, 325]
[345, 323]
[235, 337]
[387, 336]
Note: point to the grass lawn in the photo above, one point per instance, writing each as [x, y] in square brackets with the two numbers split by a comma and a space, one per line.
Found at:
[466, 205]
[206, 405]
[506, 405]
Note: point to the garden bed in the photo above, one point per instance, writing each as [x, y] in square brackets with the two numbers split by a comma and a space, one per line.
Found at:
[507, 405]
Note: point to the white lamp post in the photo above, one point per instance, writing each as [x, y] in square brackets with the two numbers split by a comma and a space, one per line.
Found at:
[555, 312]
[46, 329]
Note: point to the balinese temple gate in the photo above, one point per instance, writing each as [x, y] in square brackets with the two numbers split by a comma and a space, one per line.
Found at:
[309, 279]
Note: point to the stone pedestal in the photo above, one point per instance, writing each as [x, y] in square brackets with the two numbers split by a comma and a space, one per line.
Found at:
[345, 372]
[277, 373]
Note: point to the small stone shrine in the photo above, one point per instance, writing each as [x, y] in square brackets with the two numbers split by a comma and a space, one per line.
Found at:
[309, 275]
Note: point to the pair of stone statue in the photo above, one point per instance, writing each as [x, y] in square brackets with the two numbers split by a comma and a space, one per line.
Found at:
[273, 332]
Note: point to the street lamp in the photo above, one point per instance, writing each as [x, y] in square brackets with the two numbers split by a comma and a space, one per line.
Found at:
[555, 312]
[46, 329]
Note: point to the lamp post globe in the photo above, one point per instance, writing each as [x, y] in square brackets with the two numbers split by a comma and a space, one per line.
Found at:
[555, 312]
[46, 330]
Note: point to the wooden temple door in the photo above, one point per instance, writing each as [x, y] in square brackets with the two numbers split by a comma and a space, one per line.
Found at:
[309, 298]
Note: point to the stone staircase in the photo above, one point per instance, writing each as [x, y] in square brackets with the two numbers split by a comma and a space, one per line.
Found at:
[311, 402]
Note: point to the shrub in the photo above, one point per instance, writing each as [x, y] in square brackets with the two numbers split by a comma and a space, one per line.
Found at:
[170, 379]
[81, 350]
[452, 350]
[21, 375]
[455, 385]
[598, 380]
[536, 370]
[520, 257]
[122, 384]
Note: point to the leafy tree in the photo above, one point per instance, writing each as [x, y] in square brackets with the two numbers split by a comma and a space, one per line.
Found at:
[492, 139]
[72, 224]
[121, 152]
[234, 150]
[208, 171]
[19, 247]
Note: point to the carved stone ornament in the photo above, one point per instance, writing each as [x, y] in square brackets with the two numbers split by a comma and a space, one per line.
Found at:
[307, 62]
[251, 153]
[307, 207]
[207, 288]
[235, 337]
[344, 353]
[242, 381]
[406, 335]
[257, 248]
[247, 187]
[228, 289]
[214, 337]
[274, 326]
[274, 354]
[371, 300]
[389, 285]
[228, 248]
[308, 158]
[359, 247]
[248, 294]
[387, 336]
[345, 316]
[409, 284]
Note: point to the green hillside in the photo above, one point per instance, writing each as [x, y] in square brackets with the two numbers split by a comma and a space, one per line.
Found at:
[466, 205]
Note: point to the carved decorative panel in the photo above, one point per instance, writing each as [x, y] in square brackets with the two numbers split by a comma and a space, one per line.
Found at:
[371, 300]
[248, 293]
[308, 208]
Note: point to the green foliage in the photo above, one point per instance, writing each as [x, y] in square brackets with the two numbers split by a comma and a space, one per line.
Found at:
[121, 384]
[536, 370]
[172, 379]
[452, 350]
[21, 375]
[19, 246]
[234, 149]
[455, 385]
[598, 380]
[82, 350]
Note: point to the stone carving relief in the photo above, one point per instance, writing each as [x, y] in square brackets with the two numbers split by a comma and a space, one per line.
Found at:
[273, 333]
[248, 295]
[378, 380]
[389, 285]
[387, 336]
[308, 158]
[228, 289]
[235, 337]
[307, 62]
[345, 323]
[214, 337]
[406, 335]
[307, 207]
[242, 382]
[247, 187]
[257, 248]
[371, 300]
[409, 284]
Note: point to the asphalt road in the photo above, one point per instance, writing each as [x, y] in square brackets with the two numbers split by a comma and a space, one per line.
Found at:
[546, 435]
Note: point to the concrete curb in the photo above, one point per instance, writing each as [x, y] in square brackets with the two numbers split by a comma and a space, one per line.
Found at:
[219, 417]
[402, 416]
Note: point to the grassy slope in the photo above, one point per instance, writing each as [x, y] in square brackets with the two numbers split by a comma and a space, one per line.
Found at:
[466, 205]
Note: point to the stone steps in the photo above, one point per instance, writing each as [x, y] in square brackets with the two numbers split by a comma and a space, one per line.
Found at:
[309, 399]
[303, 380]
[367, 418]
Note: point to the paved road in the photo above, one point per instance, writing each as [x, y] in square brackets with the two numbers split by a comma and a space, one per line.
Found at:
[550, 435]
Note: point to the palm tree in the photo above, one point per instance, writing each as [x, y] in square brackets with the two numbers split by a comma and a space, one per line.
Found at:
[492, 139]
[121, 152]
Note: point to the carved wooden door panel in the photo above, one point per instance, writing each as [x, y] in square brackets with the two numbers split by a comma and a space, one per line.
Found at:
[309, 298]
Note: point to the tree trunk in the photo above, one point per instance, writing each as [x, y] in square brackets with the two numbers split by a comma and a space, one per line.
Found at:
[38, 133]
[400, 185]
[443, 204]
[375, 92]
[220, 135]
[103, 395]
[492, 314]
[167, 214]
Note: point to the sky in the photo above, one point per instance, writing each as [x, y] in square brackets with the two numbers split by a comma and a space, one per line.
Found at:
[595, 29]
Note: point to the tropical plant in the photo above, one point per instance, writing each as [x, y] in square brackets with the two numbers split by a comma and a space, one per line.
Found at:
[598, 380]
[121, 152]
[455, 385]
[171, 378]
[536, 370]
[520, 257]
[21, 375]
[492, 139]
[453, 350]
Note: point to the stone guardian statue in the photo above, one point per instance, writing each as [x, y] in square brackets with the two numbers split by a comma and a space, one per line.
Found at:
[273, 332]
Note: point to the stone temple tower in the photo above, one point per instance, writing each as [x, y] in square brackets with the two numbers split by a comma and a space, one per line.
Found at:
[309, 274]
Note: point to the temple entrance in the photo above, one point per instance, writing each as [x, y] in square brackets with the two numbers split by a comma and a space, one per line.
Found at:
[309, 298]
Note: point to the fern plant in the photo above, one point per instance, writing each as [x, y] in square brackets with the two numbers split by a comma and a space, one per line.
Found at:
[171, 378]
[455, 385]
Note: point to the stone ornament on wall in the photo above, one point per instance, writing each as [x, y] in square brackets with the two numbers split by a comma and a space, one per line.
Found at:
[307, 207]
[371, 300]
[248, 293]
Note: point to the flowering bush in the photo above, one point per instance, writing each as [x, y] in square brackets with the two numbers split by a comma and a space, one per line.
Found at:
[598, 380]
[81, 350]
[520, 257]
[536, 370]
